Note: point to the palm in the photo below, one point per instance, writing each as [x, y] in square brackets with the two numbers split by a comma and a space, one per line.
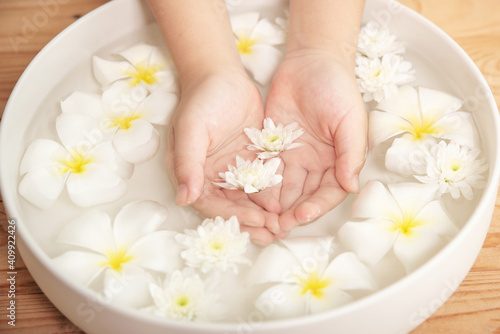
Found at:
[322, 97]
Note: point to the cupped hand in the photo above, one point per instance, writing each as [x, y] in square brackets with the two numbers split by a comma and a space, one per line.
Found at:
[205, 136]
[319, 92]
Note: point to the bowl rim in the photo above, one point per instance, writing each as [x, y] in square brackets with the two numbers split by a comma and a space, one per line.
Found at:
[488, 193]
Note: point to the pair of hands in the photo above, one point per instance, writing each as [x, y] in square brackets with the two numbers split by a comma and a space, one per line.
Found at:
[310, 88]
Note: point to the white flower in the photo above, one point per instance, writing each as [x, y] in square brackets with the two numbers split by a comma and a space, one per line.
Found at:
[404, 218]
[217, 244]
[454, 168]
[254, 40]
[305, 278]
[123, 252]
[93, 174]
[273, 139]
[379, 78]
[125, 121]
[376, 40]
[186, 296]
[283, 22]
[418, 118]
[251, 177]
[143, 66]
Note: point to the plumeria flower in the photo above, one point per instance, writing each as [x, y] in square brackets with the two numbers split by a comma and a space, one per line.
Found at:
[255, 40]
[122, 253]
[403, 217]
[305, 277]
[185, 296]
[128, 123]
[273, 140]
[418, 118]
[379, 78]
[454, 168]
[376, 40]
[92, 174]
[217, 244]
[142, 65]
[249, 176]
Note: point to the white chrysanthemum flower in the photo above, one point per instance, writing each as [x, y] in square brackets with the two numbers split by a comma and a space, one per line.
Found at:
[255, 40]
[273, 139]
[403, 217]
[217, 244]
[379, 78]
[302, 272]
[455, 169]
[186, 296]
[376, 40]
[249, 176]
[122, 253]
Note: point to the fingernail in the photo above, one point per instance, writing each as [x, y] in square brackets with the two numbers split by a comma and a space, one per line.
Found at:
[182, 195]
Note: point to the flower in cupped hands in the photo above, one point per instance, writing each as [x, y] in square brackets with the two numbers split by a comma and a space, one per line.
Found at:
[142, 65]
[129, 125]
[122, 253]
[454, 168]
[255, 41]
[185, 296]
[306, 278]
[403, 217]
[379, 78]
[251, 177]
[272, 140]
[92, 174]
[418, 117]
[217, 244]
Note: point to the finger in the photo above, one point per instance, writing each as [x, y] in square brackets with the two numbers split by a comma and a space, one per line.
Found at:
[312, 182]
[268, 199]
[350, 146]
[293, 184]
[328, 196]
[259, 235]
[190, 145]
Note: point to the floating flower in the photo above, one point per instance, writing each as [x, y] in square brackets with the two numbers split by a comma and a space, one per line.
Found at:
[93, 174]
[273, 140]
[249, 176]
[186, 296]
[129, 122]
[379, 78]
[418, 118]
[217, 244]
[454, 168]
[123, 253]
[376, 40]
[255, 39]
[403, 217]
[305, 278]
[143, 66]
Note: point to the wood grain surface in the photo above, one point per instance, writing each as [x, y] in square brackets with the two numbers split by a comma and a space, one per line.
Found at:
[27, 25]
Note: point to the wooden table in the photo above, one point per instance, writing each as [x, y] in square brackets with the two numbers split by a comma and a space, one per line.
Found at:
[27, 25]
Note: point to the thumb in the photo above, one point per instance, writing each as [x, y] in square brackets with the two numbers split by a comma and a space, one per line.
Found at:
[186, 160]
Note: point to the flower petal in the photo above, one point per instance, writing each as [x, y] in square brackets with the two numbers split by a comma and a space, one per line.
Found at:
[140, 54]
[405, 153]
[157, 251]
[107, 71]
[78, 132]
[374, 201]
[97, 185]
[139, 143]
[434, 216]
[412, 197]
[384, 125]
[312, 253]
[166, 81]
[460, 128]
[42, 187]
[105, 154]
[129, 287]
[136, 220]
[404, 104]
[39, 154]
[332, 298]
[370, 239]
[262, 62]
[434, 104]
[121, 99]
[286, 299]
[80, 267]
[244, 23]
[268, 33]
[274, 264]
[91, 230]
[83, 103]
[158, 107]
[349, 273]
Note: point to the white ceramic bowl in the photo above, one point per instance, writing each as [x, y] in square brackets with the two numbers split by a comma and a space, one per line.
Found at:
[397, 308]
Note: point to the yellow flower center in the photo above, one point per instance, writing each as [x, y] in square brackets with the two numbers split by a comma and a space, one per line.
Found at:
[123, 122]
[455, 166]
[314, 285]
[245, 44]
[216, 245]
[146, 74]
[273, 138]
[420, 129]
[182, 301]
[406, 225]
[75, 163]
[116, 259]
